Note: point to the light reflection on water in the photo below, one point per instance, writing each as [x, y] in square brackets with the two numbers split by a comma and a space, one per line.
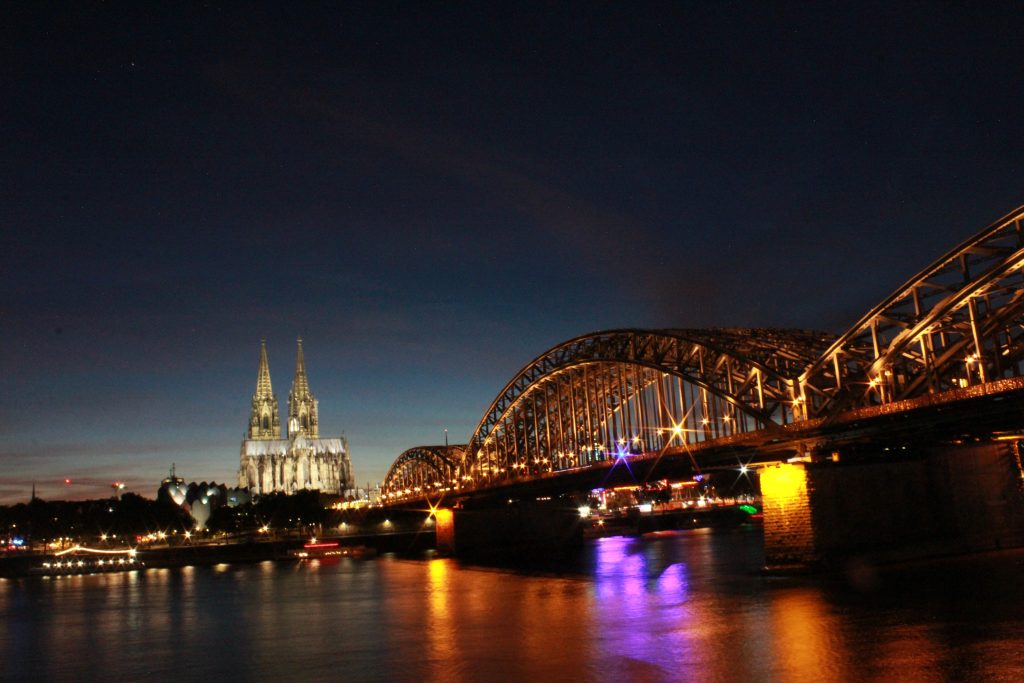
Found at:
[685, 606]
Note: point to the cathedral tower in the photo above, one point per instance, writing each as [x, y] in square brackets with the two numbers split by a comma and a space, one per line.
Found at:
[302, 418]
[264, 422]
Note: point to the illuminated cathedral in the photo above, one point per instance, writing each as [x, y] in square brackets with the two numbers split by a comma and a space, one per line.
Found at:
[301, 460]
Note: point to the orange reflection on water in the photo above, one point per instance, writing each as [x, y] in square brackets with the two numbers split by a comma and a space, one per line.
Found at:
[809, 643]
[440, 628]
[910, 649]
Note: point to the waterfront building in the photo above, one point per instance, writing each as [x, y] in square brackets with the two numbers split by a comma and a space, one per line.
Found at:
[270, 463]
[200, 499]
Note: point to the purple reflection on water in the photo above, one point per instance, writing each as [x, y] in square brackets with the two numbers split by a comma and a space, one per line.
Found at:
[672, 583]
[642, 602]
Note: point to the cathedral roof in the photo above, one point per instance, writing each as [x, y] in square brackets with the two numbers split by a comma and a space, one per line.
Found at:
[284, 446]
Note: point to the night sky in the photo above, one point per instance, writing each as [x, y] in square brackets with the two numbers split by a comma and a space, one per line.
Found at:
[431, 195]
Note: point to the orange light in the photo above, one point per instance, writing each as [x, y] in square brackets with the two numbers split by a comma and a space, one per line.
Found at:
[783, 481]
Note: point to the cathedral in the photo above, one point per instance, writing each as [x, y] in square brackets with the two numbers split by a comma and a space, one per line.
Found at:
[302, 460]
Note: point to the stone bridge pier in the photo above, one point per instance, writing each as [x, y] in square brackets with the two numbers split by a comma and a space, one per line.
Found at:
[529, 528]
[941, 500]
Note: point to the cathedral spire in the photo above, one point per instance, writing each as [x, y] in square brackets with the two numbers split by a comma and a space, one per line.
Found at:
[302, 406]
[263, 386]
[264, 420]
[300, 385]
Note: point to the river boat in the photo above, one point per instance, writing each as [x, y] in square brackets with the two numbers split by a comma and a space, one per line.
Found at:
[82, 560]
[327, 549]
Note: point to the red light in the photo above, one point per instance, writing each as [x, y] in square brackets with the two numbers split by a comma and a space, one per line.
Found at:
[67, 482]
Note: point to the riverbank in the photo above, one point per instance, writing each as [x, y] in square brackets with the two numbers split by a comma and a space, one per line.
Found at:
[230, 552]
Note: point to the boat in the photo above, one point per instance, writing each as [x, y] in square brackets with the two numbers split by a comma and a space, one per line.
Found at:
[324, 549]
[82, 560]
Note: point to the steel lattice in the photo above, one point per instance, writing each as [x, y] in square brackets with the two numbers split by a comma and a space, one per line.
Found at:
[600, 394]
[955, 324]
[423, 470]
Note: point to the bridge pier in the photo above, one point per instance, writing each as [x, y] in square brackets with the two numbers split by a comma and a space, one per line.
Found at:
[948, 499]
[520, 529]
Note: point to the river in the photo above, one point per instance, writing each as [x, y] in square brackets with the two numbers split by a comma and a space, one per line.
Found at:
[679, 606]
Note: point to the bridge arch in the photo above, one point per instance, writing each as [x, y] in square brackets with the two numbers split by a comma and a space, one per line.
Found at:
[423, 470]
[956, 324]
[599, 395]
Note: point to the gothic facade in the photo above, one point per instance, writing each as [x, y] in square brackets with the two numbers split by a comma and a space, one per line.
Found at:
[301, 459]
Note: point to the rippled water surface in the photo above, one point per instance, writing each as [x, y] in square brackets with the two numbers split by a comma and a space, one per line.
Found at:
[682, 606]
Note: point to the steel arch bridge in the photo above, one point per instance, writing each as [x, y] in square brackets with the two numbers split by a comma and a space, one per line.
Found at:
[958, 324]
[607, 394]
[424, 470]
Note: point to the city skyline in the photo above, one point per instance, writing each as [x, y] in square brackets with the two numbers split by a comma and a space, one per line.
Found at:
[431, 197]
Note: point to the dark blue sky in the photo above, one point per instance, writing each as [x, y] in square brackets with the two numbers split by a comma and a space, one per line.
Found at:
[431, 195]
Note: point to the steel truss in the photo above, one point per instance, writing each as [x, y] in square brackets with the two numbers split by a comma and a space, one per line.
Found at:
[423, 470]
[956, 324]
[605, 394]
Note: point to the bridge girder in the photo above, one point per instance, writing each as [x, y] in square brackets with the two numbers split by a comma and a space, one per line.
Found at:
[423, 470]
[957, 323]
[593, 395]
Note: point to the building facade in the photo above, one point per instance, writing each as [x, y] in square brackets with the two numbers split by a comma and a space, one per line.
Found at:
[301, 459]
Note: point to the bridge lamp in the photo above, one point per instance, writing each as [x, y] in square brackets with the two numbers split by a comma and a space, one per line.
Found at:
[705, 421]
[584, 511]
[743, 469]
